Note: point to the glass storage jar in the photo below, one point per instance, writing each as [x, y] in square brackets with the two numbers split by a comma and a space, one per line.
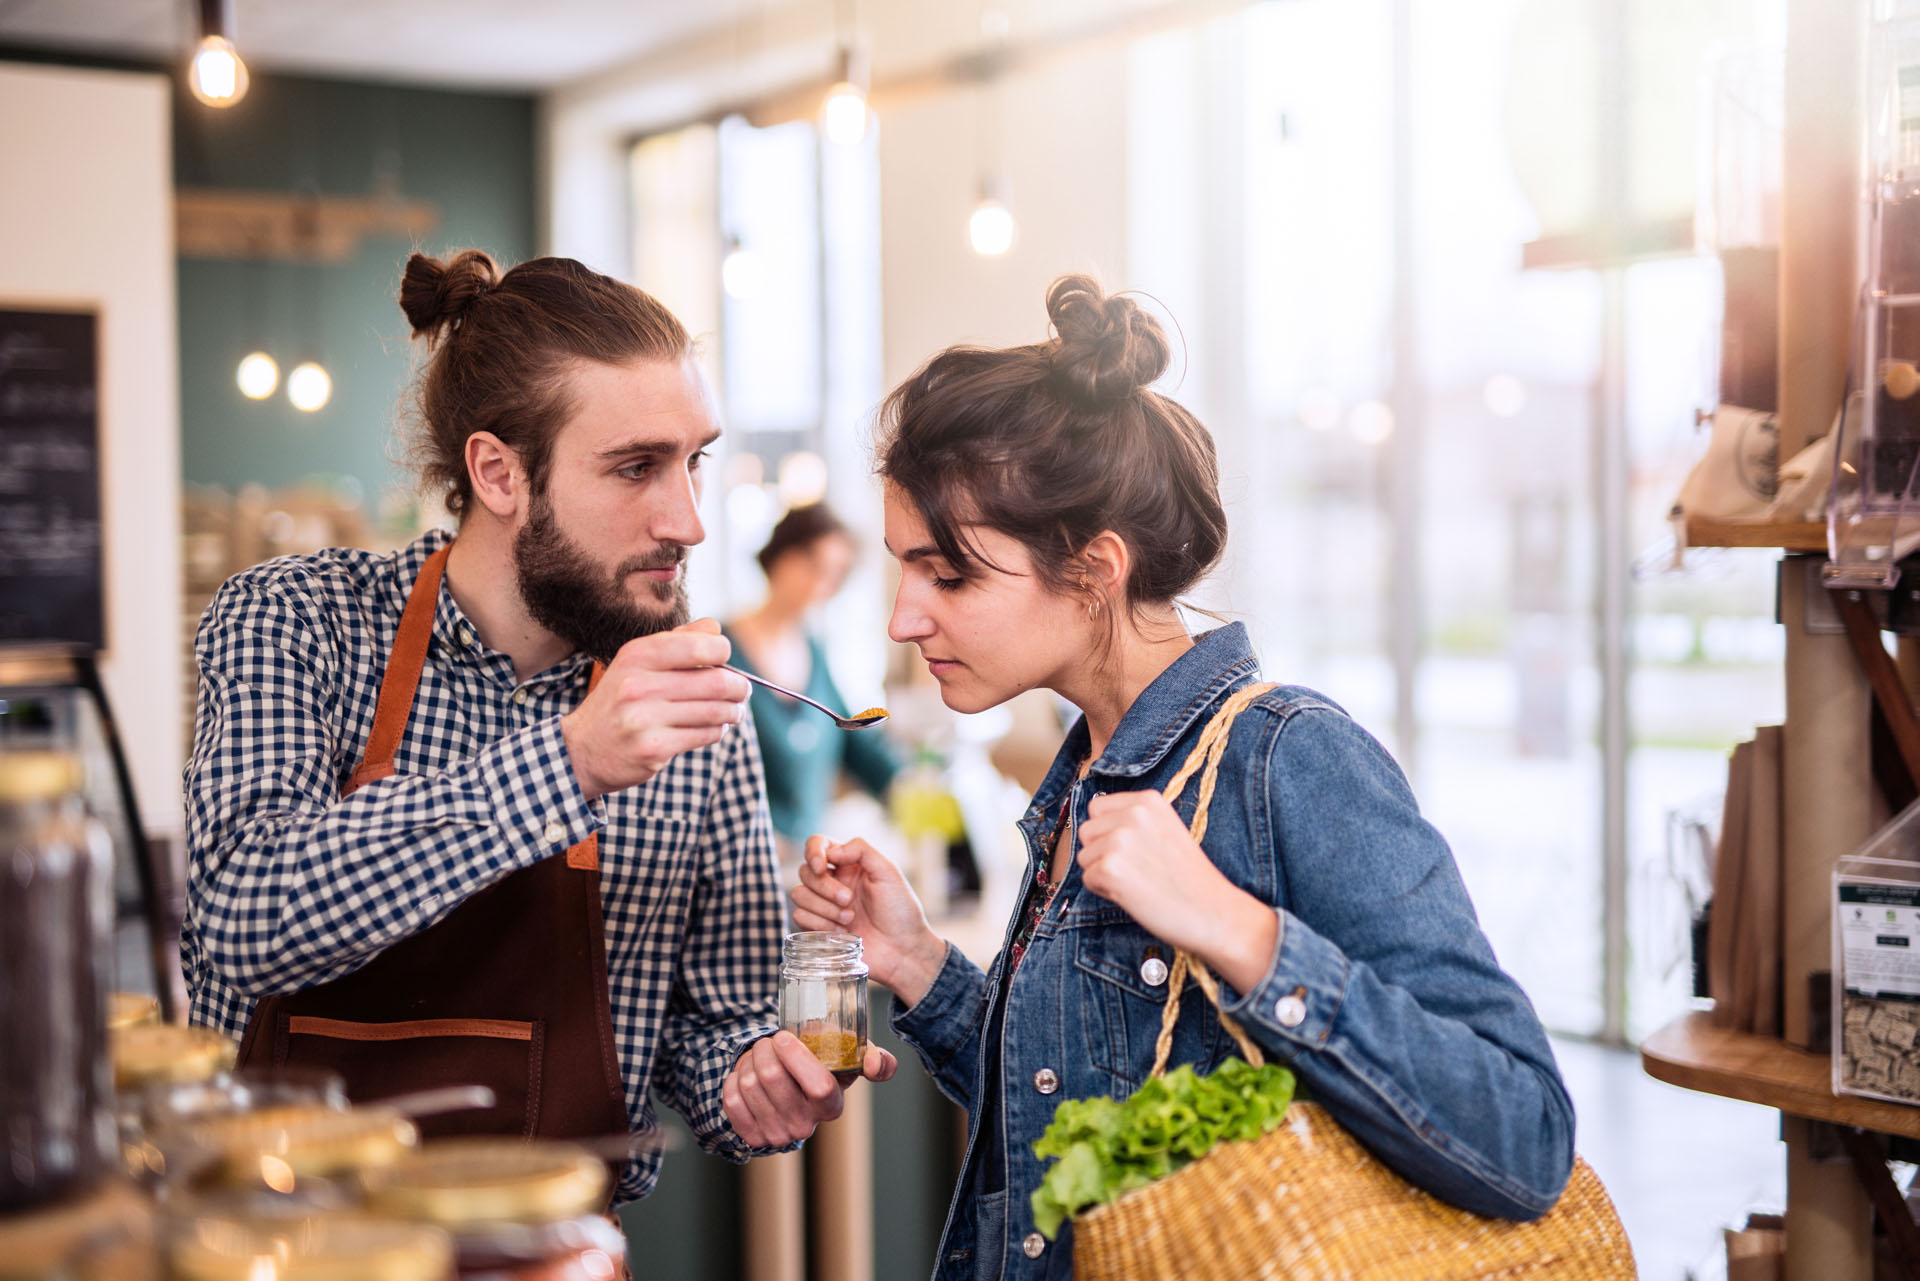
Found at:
[321, 1247]
[517, 1210]
[823, 996]
[57, 1127]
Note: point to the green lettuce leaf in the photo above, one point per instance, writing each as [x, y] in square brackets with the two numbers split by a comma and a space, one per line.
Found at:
[1103, 1148]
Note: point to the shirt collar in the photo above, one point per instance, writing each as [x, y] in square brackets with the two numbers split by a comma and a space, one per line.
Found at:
[453, 631]
[1219, 660]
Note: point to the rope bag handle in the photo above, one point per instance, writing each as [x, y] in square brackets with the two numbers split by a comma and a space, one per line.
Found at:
[1204, 760]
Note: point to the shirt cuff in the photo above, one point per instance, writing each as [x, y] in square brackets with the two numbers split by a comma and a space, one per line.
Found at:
[730, 1145]
[1301, 992]
[952, 996]
[536, 797]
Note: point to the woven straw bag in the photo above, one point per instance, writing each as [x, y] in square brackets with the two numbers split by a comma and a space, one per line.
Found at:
[1307, 1200]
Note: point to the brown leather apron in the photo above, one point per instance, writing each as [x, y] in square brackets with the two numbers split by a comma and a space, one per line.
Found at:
[509, 990]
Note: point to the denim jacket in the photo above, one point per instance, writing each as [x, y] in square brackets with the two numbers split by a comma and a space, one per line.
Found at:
[1382, 995]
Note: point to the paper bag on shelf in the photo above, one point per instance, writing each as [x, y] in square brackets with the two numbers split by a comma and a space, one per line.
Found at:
[1729, 868]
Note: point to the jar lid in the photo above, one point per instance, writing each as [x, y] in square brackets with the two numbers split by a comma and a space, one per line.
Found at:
[823, 954]
[37, 775]
[150, 1053]
[129, 1009]
[270, 1143]
[324, 1248]
[464, 1181]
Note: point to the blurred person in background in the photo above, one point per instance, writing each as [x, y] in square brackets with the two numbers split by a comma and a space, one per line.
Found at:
[1048, 508]
[806, 561]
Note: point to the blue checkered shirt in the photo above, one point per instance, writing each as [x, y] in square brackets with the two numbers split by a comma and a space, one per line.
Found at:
[291, 885]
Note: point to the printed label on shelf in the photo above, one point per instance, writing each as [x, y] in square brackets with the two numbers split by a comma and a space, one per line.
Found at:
[1880, 940]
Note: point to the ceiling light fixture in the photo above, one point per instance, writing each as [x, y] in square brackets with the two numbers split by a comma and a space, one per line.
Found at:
[740, 271]
[990, 228]
[258, 375]
[309, 386]
[844, 115]
[216, 76]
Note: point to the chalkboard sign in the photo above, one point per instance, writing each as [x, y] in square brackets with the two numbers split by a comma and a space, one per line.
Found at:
[50, 557]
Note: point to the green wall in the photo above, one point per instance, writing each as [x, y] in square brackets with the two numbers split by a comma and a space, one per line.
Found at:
[469, 154]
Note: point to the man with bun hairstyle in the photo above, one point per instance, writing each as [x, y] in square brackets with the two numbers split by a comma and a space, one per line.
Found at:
[487, 809]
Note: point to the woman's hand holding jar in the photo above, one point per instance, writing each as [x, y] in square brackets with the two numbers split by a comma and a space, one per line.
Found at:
[854, 888]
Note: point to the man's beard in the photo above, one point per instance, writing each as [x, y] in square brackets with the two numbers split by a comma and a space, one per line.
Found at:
[577, 601]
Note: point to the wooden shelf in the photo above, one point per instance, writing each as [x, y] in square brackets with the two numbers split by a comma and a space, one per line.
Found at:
[1694, 1054]
[1792, 536]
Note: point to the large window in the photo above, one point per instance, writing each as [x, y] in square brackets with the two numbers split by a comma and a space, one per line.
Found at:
[1441, 462]
[765, 241]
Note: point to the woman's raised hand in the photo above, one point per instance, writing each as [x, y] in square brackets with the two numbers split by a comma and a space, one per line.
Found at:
[1136, 853]
[853, 888]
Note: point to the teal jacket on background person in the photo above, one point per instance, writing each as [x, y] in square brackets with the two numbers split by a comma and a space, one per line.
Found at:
[1383, 995]
[804, 754]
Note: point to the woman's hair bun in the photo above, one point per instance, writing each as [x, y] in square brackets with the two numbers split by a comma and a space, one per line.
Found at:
[437, 295]
[1109, 347]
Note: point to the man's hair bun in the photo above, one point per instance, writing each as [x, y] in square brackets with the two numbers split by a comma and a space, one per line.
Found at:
[436, 296]
[1108, 347]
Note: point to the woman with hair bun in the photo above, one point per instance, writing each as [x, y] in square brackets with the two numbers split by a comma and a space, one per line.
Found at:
[1048, 509]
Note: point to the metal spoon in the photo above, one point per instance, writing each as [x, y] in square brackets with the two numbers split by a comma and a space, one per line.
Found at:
[872, 716]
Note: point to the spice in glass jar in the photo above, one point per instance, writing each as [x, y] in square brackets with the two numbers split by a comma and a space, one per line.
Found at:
[57, 1131]
[823, 996]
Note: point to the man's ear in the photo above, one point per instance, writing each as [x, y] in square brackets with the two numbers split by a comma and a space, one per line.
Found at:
[493, 468]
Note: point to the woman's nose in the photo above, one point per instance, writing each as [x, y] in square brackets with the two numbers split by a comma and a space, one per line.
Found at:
[906, 624]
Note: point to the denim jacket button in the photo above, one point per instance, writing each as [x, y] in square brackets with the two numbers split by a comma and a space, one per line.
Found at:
[1290, 1010]
[1153, 971]
[1034, 1245]
[1046, 1080]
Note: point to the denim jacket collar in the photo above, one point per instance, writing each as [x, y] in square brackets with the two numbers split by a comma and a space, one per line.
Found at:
[1166, 709]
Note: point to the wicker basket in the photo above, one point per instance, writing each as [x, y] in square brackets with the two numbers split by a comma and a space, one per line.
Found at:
[1307, 1201]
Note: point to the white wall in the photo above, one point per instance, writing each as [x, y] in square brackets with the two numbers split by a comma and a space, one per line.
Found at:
[1057, 137]
[86, 218]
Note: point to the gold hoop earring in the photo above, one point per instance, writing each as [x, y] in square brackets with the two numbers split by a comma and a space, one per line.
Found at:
[1093, 609]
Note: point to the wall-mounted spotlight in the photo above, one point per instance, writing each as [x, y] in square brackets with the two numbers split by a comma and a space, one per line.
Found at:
[217, 76]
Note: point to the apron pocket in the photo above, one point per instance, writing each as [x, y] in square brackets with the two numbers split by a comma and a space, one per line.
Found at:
[379, 1060]
[990, 1237]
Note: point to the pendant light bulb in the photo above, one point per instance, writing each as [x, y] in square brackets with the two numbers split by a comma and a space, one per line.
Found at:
[217, 77]
[309, 387]
[990, 229]
[740, 271]
[258, 375]
[844, 115]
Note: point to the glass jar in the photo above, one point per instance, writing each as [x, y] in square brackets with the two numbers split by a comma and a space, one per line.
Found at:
[517, 1211]
[57, 1126]
[280, 1143]
[823, 996]
[149, 1054]
[311, 1248]
[131, 1009]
